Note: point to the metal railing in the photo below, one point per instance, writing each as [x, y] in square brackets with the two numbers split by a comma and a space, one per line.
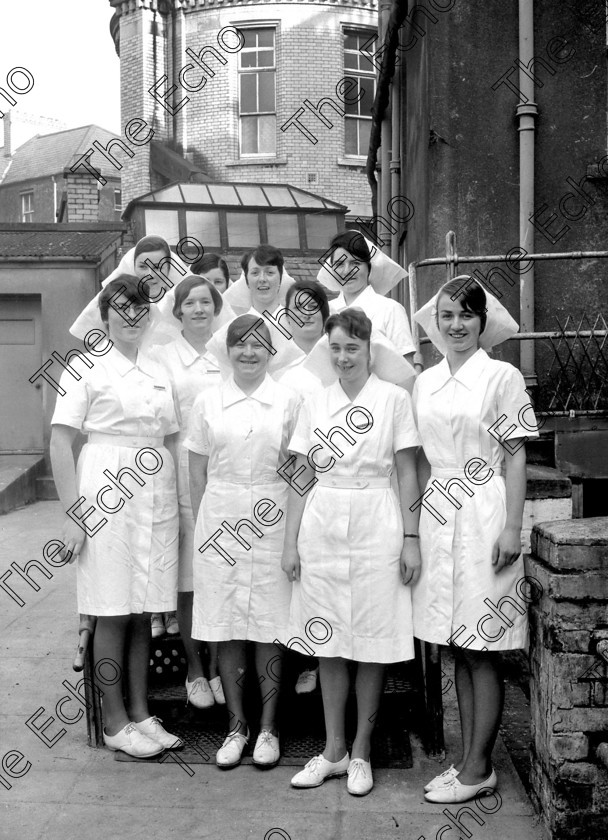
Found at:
[573, 376]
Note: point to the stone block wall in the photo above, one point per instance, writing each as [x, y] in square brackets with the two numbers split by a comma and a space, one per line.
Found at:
[569, 689]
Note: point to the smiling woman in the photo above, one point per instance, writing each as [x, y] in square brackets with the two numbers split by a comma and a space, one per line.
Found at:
[128, 568]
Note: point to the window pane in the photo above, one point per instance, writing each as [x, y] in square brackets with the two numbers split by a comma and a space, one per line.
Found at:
[304, 200]
[265, 58]
[243, 230]
[252, 196]
[170, 194]
[249, 135]
[223, 194]
[162, 223]
[266, 37]
[204, 225]
[350, 61]
[350, 136]
[279, 196]
[365, 63]
[320, 230]
[283, 230]
[365, 127]
[367, 100]
[350, 41]
[250, 37]
[267, 135]
[249, 98]
[266, 87]
[248, 59]
[196, 193]
[352, 91]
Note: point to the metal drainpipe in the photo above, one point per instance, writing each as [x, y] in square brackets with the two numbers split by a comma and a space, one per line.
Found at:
[395, 163]
[385, 126]
[526, 113]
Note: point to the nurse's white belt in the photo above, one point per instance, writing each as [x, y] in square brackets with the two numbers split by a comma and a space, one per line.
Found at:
[383, 277]
[387, 363]
[349, 482]
[499, 324]
[134, 442]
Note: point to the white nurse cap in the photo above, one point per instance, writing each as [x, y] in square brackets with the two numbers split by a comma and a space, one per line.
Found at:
[499, 324]
[383, 277]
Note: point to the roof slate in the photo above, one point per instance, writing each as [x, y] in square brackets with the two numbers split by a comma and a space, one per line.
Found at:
[84, 244]
[50, 154]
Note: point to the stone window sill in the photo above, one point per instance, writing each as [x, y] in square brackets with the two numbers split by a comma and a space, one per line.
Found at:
[356, 162]
[261, 161]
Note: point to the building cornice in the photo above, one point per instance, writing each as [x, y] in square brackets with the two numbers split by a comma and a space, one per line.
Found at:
[125, 7]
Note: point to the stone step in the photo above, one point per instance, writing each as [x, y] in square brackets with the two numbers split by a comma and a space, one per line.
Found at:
[45, 489]
[18, 474]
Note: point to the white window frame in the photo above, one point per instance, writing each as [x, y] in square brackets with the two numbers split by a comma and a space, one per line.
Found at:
[27, 210]
[365, 35]
[258, 70]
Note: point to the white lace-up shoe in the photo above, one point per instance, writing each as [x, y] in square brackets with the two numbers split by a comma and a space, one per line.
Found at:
[360, 780]
[153, 728]
[318, 769]
[230, 753]
[454, 791]
[267, 752]
[132, 742]
[442, 779]
[199, 693]
[217, 690]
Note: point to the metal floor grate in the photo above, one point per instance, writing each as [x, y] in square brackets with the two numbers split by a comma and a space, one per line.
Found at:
[300, 720]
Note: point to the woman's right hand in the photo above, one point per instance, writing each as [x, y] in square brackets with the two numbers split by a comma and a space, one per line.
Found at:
[290, 563]
[73, 538]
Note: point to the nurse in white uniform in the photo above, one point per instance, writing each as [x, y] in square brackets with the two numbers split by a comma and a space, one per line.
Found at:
[215, 269]
[237, 439]
[192, 370]
[471, 593]
[127, 562]
[348, 542]
[363, 276]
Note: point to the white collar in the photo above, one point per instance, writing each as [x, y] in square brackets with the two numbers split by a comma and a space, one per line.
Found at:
[264, 393]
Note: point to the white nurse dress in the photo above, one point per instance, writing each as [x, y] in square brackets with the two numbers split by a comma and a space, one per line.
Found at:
[130, 564]
[190, 373]
[458, 595]
[245, 594]
[350, 601]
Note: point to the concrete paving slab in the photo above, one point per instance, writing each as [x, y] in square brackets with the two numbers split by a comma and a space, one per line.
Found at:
[73, 792]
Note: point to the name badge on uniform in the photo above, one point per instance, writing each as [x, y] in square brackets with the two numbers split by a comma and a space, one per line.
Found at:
[159, 388]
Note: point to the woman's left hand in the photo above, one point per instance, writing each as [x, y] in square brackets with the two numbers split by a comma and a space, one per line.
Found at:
[410, 562]
[507, 548]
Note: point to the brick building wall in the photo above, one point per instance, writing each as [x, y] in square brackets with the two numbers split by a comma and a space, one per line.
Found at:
[309, 62]
[43, 200]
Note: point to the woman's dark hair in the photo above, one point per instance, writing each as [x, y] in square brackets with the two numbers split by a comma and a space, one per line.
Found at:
[244, 324]
[151, 243]
[263, 255]
[208, 262]
[130, 286]
[316, 292]
[353, 242]
[354, 322]
[192, 281]
[471, 297]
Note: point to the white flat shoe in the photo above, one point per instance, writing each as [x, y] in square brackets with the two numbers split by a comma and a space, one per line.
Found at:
[199, 694]
[318, 769]
[230, 753]
[217, 690]
[442, 779]
[153, 728]
[360, 779]
[132, 742]
[267, 752]
[455, 792]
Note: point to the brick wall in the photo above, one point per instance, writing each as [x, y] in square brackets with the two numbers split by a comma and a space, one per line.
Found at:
[309, 61]
[569, 689]
[83, 197]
